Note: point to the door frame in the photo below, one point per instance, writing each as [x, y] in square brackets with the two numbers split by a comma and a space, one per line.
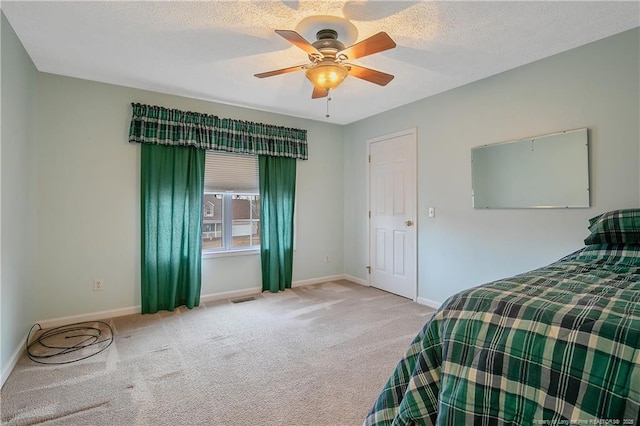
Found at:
[411, 131]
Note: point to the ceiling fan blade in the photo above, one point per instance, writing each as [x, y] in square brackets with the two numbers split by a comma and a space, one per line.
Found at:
[318, 93]
[299, 41]
[378, 77]
[280, 71]
[369, 46]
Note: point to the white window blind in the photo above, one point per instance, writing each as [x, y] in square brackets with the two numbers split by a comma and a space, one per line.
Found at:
[226, 172]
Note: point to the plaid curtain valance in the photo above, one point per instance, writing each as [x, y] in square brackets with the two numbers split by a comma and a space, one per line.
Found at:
[163, 126]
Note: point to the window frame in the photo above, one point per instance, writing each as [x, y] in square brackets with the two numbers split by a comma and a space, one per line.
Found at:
[227, 248]
[228, 175]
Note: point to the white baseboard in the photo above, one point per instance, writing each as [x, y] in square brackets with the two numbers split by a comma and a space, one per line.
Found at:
[113, 313]
[93, 316]
[428, 302]
[6, 372]
[356, 280]
[317, 280]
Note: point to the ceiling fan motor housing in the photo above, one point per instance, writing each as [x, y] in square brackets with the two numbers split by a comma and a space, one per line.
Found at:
[327, 43]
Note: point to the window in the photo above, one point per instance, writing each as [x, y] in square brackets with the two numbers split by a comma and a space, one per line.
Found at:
[231, 205]
[209, 209]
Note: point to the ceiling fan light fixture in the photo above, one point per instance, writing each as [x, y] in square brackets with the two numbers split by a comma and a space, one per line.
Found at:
[327, 75]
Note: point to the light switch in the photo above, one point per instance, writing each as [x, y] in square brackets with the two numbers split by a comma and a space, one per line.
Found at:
[432, 212]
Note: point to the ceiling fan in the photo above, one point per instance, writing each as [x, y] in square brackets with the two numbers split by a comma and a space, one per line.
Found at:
[328, 69]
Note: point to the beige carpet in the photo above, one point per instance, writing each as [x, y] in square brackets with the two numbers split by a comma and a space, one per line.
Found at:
[313, 355]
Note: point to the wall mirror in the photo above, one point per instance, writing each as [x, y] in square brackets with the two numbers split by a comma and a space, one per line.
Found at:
[548, 171]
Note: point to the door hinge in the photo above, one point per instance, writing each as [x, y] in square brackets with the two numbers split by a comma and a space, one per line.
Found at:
[369, 214]
[369, 269]
[369, 158]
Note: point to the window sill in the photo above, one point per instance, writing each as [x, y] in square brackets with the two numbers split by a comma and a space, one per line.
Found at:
[215, 254]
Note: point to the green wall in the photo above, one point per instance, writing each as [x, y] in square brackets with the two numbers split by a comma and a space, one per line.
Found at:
[593, 86]
[17, 197]
[88, 193]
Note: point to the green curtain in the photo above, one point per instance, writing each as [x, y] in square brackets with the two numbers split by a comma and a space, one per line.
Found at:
[277, 180]
[172, 184]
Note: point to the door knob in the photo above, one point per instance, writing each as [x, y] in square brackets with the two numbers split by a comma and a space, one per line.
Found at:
[409, 223]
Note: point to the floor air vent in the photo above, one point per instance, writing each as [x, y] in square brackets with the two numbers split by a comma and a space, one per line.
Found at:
[243, 299]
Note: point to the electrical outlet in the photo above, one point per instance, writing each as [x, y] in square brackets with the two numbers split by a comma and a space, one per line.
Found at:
[98, 285]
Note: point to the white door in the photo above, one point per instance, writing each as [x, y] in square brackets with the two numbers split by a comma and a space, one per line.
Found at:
[392, 207]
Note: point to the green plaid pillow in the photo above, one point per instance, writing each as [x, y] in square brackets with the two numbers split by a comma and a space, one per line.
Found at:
[595, 219]
[617, 226]
[609, 253]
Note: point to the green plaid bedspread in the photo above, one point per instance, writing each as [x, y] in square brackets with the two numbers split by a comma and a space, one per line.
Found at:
[559, 345]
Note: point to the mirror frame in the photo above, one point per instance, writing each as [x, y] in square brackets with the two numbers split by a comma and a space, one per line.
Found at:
[546, 171]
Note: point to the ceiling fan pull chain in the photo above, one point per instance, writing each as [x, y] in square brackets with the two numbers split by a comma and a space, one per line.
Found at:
[328, 99]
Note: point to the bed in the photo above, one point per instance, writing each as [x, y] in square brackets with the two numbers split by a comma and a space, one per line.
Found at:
[556, 345]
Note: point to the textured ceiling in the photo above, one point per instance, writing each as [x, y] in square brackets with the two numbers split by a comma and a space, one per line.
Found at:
[210, 50]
